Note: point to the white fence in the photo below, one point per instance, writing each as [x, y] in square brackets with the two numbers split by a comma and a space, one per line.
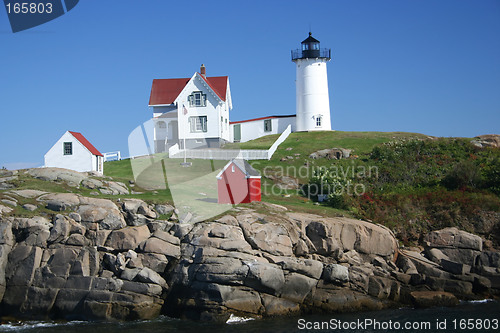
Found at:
[112, 156]
[280, 140]
[228, 154]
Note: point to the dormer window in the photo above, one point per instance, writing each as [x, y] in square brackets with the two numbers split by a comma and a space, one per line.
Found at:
[197, 98]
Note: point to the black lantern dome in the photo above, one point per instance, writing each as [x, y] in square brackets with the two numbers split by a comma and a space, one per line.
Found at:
[311, 49]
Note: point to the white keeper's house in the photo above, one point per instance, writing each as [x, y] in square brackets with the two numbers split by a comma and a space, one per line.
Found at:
[195, 112]
[73, 151]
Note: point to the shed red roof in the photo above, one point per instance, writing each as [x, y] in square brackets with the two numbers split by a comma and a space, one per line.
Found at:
[86, 143]
[165, 91]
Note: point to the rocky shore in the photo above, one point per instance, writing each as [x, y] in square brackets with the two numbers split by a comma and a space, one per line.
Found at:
[96, 258]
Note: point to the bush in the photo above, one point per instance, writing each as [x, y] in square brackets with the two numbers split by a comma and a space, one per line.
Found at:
[464, 175]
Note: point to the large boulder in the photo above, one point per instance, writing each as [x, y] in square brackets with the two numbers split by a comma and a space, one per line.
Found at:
[426, 299]
[72, 178]
[102, 211]
[336, 235]
[272, 238]
[453, 238]
[127, 238]
[335, 273]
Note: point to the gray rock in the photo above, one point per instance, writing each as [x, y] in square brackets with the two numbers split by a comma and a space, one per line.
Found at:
[181, 230]
[436, 255]
[463, 256]
[332, 153]
[6, 236]
[30, 207]
[379, 287]
[264, 277]
[335, 273]
[128, 238]
[166, 237]
[147, 211]
[118, 188]
[28, 194]
[155, 261]
[406, 265]
[308, 267]
[39, 301]
[5, 209]
[71, 177]
[61, 200]
[186, 218]
[269, 237]
[60, 231]
[102, 237]
[129, 274]
[455, 267]
[156, 245]
[275, 306]
[426, 299]
[9, 202]
[297, 287]
[486, 258]
[452, 237]
[147, 275]
[23, 261]
[453, 286]
[359, 277]
[77, 240]
[75, 216]
[142, 288]
[56, 206]
[61, 260]
[322, 238]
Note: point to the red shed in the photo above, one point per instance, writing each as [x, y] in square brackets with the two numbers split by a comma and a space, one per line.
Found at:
[238, 182]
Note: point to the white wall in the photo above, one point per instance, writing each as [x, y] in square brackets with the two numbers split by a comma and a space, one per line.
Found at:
[251, 130]
[81, 160]
[211, 111]
[215, 109]
[312, 95]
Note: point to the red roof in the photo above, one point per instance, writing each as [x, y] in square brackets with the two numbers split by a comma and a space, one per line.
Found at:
[86, 143]
[255, 119]
[165, 91]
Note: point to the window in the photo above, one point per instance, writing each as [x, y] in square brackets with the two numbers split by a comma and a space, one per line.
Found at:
[318, 121]
[267, 125]
[232, 168]
[197, 98]
[161, 124]
[198, 124]
[68, 148]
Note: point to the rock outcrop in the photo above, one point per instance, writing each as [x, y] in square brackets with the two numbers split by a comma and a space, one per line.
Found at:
[332, 153]
[103, 259]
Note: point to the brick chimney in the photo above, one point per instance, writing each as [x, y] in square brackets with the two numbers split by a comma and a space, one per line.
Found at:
[203, 70]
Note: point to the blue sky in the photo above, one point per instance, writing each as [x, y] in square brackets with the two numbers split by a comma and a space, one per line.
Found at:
[424, 66]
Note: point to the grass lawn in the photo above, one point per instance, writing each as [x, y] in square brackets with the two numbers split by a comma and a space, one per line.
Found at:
[155, 172]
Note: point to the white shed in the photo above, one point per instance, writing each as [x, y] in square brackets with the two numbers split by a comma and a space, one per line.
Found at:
[73, 151]
[246, 130]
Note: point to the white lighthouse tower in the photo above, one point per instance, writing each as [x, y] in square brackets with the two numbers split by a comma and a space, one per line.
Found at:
[313, 103]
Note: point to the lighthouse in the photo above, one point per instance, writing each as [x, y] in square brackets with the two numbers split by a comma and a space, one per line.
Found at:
[313, 103]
